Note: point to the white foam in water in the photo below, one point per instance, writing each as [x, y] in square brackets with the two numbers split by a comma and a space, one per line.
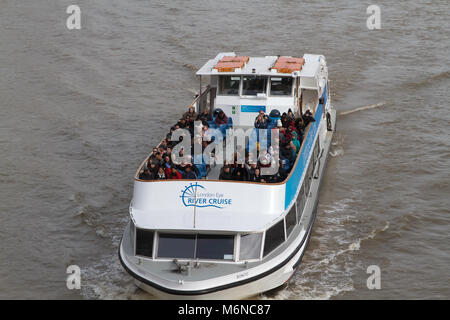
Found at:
[337, 148]
[371, 106]
[107, 280]
[337, 152]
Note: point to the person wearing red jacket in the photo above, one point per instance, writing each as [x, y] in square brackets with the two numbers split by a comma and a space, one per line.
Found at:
[173, 173]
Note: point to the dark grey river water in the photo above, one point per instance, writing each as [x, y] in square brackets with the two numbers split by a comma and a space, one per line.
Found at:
[80, 109]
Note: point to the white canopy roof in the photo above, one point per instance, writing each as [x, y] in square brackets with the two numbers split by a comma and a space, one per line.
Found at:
[260, 65]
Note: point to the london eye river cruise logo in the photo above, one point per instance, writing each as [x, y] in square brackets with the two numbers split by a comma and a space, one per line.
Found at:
[195, 195]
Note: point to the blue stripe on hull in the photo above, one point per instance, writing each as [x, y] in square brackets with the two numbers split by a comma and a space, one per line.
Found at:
[293, 182]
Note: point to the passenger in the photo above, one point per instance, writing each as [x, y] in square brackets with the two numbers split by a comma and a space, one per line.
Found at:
[308, 118]
[174, 174]
[161, 150]
[207, 133]
[300, 126]
[189, 121]
[261, 121]
[169, 152]
[291, 121]
[285, 135]
[285, 120]
[256, 177]
[279, 176]
[290, 115]
[190, 128]
[182, 166]
[286, 152]
[170, 143]
[181, 123]
[145, 175]
[153, 170]
[157, 159]
[251, 169]
[191, 113]
[240, 173]
[295, 142]
[204, 117]
[161, 175]
[221, 118]
[169, 135]
[153, 155]
[226, 173]
[164, 145]
[189, 174]
[167, 162]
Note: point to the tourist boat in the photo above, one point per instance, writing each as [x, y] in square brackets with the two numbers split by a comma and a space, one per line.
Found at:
[214, 239]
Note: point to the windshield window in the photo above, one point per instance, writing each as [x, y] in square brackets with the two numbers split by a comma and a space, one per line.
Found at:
[195, 246]
[252, 85]
[281, 86]
[215, 247]
[176, 246]
[229, 85]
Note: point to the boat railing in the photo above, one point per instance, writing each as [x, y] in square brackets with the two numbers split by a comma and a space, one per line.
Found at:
[205, 98]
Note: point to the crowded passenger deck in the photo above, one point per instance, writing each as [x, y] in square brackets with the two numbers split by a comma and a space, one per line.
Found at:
[160, 164]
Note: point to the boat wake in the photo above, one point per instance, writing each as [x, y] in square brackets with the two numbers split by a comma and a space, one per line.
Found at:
[107, 280]
[371, 106]
[337, 148]
[330, 262]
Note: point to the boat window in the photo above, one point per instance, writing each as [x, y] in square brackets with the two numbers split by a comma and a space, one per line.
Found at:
[176, 246]
[215, 247]
[144, 242]
[252, 85]
[300, 202]
[281, 86]
[250, 246]
[291, 220]
[274, 237]
[229, 85]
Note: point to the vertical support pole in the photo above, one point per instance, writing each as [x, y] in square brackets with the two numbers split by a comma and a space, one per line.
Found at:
[199, 107]
[212, 98]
